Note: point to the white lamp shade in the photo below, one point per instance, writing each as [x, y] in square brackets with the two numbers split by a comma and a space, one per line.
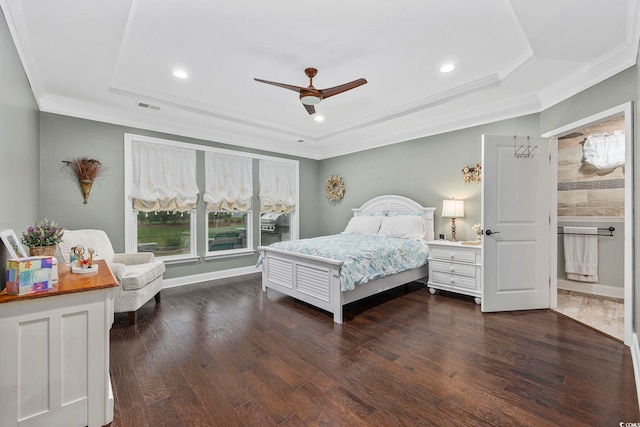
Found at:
[453, 208]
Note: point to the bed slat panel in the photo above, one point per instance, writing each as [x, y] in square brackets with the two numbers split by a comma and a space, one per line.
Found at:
[313, 281]
[281, 272]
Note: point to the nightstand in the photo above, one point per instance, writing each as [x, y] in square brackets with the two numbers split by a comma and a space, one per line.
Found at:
[455, 267]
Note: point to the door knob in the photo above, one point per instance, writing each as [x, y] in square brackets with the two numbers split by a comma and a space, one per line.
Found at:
[489, 232]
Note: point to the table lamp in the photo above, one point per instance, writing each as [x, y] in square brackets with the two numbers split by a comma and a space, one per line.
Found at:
[453, 209]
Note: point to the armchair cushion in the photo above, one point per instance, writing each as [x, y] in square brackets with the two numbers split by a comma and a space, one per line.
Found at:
[138, 275]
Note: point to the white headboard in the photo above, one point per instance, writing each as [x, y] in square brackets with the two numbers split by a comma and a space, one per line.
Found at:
[393, 204]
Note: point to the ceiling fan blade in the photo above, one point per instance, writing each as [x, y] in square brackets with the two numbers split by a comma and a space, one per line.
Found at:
[310, 108]
[283, 85]
[326, 93]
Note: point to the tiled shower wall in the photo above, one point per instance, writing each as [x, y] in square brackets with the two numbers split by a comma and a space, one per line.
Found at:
[584, 190]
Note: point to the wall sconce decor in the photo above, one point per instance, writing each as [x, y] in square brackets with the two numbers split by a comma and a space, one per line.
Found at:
[85, 170]
[473, 174]
[453, 209]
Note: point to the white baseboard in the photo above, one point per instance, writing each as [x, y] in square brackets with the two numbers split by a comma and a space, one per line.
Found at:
[635, 357]
[592, 288]
[212, 275]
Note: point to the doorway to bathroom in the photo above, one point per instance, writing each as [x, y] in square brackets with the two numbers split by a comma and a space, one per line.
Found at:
[593, 195]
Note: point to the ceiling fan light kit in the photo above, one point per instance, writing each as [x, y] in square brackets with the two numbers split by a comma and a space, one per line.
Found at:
[310, 99]
[310, 96]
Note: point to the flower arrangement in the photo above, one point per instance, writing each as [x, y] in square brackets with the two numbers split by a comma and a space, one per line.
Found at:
[478, 229]
[44, 233]
[85, 170]
[84, 167]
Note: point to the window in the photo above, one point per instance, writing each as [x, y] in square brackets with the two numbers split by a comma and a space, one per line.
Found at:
[278, 197]
[164, 194]
[274, 227]
[227, 230]
[164, 233]
[161, 199]
[228, 195]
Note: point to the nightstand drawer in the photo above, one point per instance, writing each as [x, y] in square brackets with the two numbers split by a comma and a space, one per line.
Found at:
[454, 255]
[453, 280]
[452, 268]
[455, 267]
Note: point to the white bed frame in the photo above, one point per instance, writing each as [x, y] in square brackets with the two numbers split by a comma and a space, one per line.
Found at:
[316, 280]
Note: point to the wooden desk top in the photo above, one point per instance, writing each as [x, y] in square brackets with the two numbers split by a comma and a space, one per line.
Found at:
[69, 282]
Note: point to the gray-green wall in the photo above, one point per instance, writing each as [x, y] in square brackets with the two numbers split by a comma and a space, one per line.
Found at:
[427, 170]
[19, 158]
[63, 138]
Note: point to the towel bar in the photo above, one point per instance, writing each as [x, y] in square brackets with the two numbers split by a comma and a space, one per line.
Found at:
[609, 230]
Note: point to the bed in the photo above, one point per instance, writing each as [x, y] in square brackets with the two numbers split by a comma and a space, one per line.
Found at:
[317, 280]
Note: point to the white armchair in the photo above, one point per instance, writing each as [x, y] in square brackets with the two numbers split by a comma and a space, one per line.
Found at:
[139, 275]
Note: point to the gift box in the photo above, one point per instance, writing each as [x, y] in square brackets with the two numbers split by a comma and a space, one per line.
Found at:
[27, 275]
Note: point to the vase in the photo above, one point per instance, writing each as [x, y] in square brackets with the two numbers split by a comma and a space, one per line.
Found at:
[43, 250]
[85, 186]
[478, 238]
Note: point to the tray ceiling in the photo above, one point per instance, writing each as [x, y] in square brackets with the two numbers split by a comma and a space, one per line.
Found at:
[101, 59]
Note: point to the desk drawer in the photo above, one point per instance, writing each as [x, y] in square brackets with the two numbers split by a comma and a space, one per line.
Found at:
[452, 268]
[454, 255]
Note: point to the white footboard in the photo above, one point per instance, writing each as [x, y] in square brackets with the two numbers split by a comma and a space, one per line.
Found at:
[316, 280]
[311, 279]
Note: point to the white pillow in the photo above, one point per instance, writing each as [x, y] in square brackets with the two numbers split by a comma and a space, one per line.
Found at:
[368, 225]
[402, 227]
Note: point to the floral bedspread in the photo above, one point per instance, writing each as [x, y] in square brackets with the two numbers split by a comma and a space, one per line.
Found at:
[364, 258]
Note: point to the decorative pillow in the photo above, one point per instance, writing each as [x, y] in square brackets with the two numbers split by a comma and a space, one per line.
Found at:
[368, 225]
[402, 227]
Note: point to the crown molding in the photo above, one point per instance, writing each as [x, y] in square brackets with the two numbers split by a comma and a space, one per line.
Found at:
[12, 12]
[257, 141]
[480, 116]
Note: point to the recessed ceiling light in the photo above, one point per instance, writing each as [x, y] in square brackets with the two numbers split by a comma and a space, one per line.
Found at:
[447, 68]
[318, 118]
[181, 74]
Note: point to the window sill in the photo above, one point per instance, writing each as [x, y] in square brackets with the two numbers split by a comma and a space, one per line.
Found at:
[229, 254]
[179, 260]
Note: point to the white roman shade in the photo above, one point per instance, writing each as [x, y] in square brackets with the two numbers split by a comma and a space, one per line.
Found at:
[164, 178]
[229, 185]
[277, 187]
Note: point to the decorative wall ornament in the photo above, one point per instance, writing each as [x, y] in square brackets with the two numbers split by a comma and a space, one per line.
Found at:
[86, 170]
[334, 188]
[473, 174]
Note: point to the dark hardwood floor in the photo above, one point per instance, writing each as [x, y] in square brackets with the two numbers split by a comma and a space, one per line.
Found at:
[228, 355]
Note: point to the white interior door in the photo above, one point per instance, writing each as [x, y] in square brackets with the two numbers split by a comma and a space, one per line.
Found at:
[515, 217]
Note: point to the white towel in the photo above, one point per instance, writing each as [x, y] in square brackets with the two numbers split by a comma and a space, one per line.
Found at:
[604, 151]
[581, 253]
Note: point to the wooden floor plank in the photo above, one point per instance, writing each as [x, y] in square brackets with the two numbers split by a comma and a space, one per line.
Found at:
[225, 354]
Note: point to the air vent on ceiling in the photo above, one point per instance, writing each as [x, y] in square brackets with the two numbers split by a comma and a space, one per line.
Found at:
[149, 106]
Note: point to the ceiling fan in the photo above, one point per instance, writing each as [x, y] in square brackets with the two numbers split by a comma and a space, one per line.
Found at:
[311, 96]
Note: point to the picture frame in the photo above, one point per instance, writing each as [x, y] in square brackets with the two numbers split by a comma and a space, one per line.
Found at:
[12, 243]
